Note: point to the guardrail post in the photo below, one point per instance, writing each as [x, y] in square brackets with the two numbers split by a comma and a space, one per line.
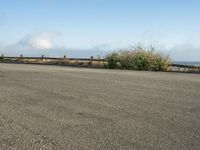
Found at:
[20, 58]
[42, 57]
[91, 60]
[2, 57]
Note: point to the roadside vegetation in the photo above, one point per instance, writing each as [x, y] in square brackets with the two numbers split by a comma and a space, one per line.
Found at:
[138, 57]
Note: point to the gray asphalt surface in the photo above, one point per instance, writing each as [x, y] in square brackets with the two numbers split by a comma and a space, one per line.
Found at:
[51, 107]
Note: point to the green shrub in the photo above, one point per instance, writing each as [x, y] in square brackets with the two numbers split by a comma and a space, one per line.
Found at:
[112, 60]
[161, 62]
[138, 58]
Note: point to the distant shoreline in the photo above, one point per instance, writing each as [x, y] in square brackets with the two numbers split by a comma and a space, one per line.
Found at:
[189, 63]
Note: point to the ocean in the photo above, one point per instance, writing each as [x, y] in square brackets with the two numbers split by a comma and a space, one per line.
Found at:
[190, 63]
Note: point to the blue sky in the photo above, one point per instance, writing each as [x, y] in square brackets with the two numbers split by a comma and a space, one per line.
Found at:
[91, 27]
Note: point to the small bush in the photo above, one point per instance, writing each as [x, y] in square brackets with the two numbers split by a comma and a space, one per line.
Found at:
[138, 58]
[112, 60]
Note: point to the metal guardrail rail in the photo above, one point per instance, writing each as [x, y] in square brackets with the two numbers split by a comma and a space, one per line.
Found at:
[184, 66]
[50, 58]
[14, 59]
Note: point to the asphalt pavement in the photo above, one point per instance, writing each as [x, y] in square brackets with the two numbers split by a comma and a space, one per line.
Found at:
[54, 107]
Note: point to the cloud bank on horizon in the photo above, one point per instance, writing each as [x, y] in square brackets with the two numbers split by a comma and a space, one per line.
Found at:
[95, 27]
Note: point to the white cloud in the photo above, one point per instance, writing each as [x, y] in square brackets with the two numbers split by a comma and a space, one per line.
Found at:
[43, 41]
[185, 52]
[47, 43]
